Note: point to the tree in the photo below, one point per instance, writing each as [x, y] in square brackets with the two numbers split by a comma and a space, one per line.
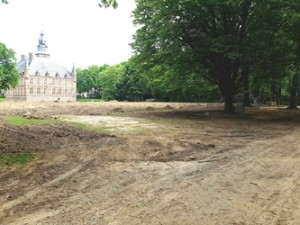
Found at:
[133, 83]
[87, 79]
[103, 3]
[293, 92]
[108, 81]
[294, 35]
[214, 39]
[165, 83]
[9, 75]
[108, 3]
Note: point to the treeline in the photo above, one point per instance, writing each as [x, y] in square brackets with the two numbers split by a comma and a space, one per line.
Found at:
[207, 50]
[128, 82]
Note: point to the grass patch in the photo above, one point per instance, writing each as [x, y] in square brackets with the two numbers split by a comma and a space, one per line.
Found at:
[89, 100]
[21, 121]
[2, 99]
[83, 126]
[17, 158]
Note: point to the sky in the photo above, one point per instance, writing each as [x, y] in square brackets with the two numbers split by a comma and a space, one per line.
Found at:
[76, 31]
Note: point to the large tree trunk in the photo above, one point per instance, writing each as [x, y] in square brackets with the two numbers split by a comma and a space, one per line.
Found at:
[293, 93]
[227, 74]
[276, 92]
[228, 104]
[227, 91]
[277, 95]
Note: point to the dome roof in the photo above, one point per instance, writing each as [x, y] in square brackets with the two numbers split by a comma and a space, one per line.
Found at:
[43, 66]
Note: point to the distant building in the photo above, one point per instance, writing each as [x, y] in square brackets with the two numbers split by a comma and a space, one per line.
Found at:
[42, 79]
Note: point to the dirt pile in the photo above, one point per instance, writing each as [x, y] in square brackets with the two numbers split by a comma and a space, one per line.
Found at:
[36, 138]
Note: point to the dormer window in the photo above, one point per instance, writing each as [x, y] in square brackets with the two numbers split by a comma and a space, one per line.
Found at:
[37, 73]
[47, 74]
[57, 74]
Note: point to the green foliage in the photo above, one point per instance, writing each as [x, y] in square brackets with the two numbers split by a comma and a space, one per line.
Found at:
[212, 39]
[84, 126]
[87, 80]
[128, 81]
[9, 75]
[21, 121]
[89, 100]
[17, 158]
[103, 3]
[278, 57]
[133, 84]
[168, 84]
[108, 81]
[108, 3]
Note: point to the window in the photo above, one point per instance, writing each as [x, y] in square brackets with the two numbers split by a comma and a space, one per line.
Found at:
[53, 91]
[31, 91]
[38, 91]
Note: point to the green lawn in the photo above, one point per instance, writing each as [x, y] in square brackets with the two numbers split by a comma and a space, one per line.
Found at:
[16, 158]
[21, 121]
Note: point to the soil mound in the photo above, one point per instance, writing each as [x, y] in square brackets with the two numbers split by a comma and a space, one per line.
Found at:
[35, 138]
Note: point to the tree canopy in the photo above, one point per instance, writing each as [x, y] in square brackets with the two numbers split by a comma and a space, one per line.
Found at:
[217, 40]
[9, 75]
[87, 80]
[108, 3]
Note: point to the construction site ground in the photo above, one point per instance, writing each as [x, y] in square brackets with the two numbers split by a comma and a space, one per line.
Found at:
[122, 163]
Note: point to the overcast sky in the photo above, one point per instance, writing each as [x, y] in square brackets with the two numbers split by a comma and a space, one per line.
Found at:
[76, 30]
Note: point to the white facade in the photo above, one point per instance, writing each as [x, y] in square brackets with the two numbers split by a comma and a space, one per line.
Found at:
[43, 79]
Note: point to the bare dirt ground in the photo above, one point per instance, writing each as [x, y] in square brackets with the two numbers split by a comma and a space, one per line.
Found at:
[151, 163]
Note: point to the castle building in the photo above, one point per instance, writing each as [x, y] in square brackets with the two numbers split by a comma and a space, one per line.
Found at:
[43, 79]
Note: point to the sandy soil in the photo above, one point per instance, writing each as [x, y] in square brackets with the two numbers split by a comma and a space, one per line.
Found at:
[151, 163]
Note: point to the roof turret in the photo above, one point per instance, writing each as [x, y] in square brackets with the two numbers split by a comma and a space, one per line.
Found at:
[42, 46]
[74, 69]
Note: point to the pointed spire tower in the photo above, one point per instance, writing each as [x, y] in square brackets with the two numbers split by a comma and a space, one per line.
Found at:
[74, 74]
[74, 69]
[42, 46]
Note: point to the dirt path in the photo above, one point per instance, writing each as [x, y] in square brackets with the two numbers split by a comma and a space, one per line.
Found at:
[153, 167]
